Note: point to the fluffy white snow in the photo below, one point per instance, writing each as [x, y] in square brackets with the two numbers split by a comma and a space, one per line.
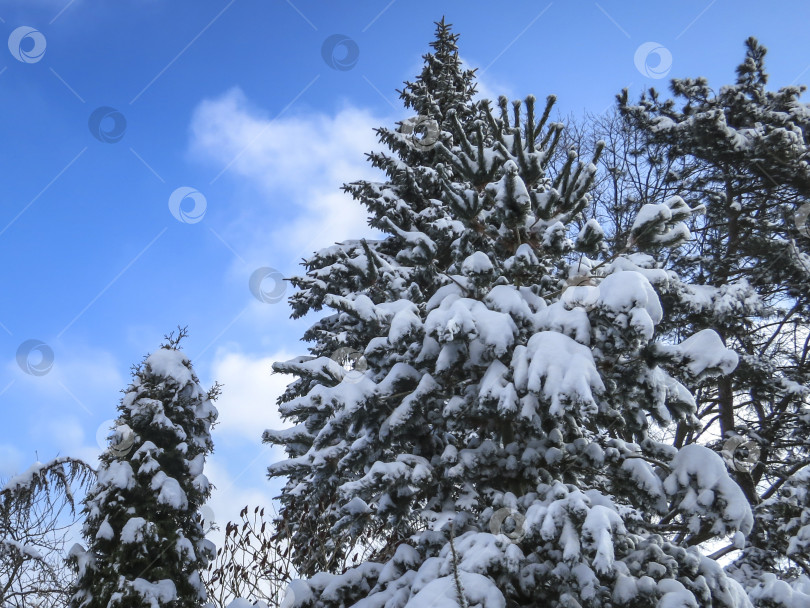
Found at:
[558, 368]
[477, 263]
[170, 363]
[779, 593]
[478, 590]
[675, 595]
[83, 558]
[645, 477]
[700, 480]
[117, 474]
[405, 322]
[105, 531]
[135, 530]
[25, 551]
[157, 594]
[170, 491]
[625, 290]
[489, 331]
[27, 477]
[703, 353]
[651, 214]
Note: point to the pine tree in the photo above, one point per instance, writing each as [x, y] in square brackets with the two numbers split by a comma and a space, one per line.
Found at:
[493, 448]
[744, 158]
[145, 543]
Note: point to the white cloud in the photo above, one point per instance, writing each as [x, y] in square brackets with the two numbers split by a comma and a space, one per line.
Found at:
[486, 86]
[87, 378]
[66, 434]
[297, 164]
[230, 496]
[64, 406]
[247, 405]
[285, 151]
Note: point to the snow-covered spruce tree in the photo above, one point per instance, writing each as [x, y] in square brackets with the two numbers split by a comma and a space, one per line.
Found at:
[145, 543]
[744, 152]
[442, 92]
[508, 382]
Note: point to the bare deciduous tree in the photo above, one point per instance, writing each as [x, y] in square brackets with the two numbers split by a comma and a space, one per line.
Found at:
[37, 521]
[251, 564]
[631, 171]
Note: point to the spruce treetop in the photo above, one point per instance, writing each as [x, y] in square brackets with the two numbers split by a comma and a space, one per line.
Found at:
[442, 86]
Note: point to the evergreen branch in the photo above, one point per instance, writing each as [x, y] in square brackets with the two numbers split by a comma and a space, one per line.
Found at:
[462, 600]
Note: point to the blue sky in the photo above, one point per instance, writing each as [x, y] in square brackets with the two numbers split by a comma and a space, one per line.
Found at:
[236, 102]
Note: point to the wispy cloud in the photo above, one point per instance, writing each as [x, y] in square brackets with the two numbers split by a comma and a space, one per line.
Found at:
[85, 381]
[296, 164]
[247, 405]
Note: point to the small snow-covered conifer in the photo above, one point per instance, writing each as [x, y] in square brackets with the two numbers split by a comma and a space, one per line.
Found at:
[145, 543]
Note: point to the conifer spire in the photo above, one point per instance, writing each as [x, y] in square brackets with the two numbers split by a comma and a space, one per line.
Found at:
[443, 84]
